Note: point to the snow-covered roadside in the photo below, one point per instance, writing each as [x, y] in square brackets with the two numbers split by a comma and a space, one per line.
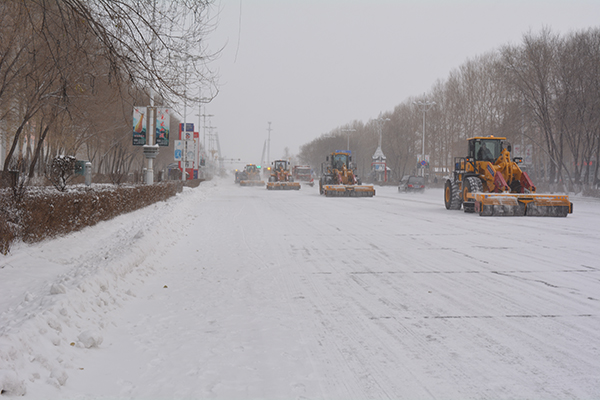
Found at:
[58, 295]
[240, 292]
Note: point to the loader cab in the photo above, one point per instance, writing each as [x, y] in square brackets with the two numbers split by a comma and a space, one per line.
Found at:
[485, 149]
[340, 160]
[280, 164]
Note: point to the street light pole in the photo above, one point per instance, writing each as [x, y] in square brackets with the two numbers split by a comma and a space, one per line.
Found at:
[204, 127]
[348, 133]
[269, 145]
[424, 106]
[380, 122]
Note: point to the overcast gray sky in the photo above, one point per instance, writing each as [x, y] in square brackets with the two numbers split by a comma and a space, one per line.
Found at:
[309, 66]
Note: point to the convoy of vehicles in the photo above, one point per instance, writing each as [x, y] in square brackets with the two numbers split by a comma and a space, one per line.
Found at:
[485, 181]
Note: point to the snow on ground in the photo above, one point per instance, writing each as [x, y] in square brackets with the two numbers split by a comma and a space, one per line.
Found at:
[229, 292]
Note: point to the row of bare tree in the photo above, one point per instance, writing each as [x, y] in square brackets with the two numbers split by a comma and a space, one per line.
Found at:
[71, 71]
[542, 94]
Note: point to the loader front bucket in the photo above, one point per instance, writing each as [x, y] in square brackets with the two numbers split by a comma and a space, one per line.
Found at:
[348, 191]
[283, 186]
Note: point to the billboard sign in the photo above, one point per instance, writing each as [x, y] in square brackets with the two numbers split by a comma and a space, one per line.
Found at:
[139, 126]
[528, 154]
[186, 131]
[190, 155]
[185, 150]
[525, 152]
[179, 148]
[162, 125]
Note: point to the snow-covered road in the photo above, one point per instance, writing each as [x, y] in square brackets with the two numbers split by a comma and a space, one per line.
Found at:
[235, 292]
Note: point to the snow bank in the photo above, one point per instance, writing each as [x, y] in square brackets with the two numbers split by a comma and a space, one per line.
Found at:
[61, 297]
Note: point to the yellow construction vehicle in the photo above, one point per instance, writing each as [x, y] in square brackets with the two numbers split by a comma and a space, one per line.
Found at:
[281, 177]
[489, 182]
[338, 178]
[250, 176]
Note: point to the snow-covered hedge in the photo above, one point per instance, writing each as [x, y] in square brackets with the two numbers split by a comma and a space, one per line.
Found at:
[42, 213]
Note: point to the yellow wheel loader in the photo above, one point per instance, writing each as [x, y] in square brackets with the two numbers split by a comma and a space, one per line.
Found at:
[487, 181]
[281, 177]
[339, 179]
[250, 176]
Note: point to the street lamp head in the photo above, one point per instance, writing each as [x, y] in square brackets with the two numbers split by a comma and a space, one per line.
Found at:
[424, 105]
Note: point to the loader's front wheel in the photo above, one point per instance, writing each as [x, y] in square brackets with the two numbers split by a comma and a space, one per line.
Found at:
[452, 199]
[472, 184]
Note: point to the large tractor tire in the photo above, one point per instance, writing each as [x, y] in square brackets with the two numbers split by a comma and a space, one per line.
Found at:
[472, 184]
[452, 199]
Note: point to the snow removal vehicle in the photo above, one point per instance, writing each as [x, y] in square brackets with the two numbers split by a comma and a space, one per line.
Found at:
[338, 178]
[489, 182]
[281, 178]
[303, 173]
[250, 176]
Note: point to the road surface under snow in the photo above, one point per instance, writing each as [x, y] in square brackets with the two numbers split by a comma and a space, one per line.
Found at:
[228, 292]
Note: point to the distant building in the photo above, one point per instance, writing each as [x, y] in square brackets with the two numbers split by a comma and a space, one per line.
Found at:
[379, 169]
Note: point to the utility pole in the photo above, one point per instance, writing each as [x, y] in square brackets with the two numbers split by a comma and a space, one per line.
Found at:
[269, 145]
[210, 139]
[204, 127]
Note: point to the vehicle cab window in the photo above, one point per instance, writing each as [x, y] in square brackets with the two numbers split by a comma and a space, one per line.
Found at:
[339, 161]
[487, 150]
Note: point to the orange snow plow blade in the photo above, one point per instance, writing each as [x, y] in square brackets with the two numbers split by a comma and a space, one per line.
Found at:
[252, 183]
[518, 204]
[283, 185]
[348, 191]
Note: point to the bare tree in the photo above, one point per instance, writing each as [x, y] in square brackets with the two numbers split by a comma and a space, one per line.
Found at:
[543, 92]
[532, 71]
[56, 54]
